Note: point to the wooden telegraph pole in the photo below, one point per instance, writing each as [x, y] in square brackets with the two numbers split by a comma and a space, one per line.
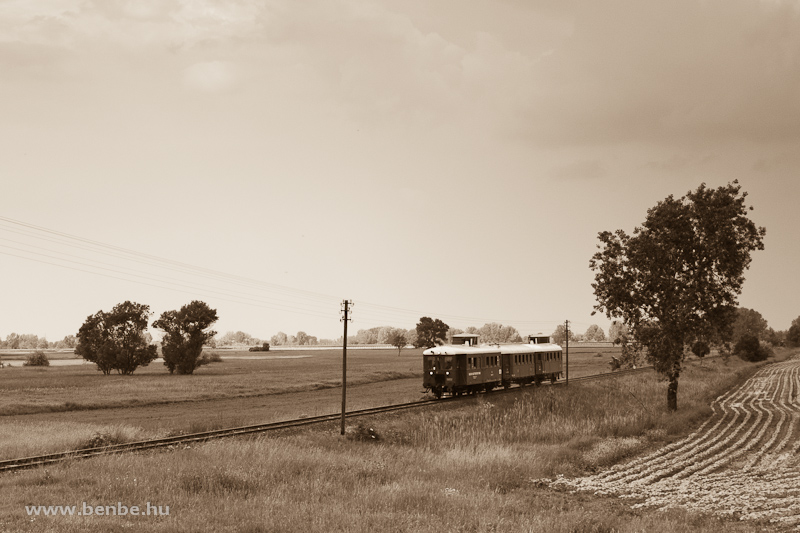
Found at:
[346, 311]
[566, 328]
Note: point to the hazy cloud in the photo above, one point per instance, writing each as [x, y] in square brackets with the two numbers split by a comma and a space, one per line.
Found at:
[671, 71]
[580, 170]
[211, 76]
[780, 161]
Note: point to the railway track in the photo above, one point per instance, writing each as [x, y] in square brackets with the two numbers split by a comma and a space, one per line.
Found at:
[166, 442]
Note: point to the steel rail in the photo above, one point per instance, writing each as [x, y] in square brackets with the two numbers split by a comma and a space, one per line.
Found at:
[9, 465]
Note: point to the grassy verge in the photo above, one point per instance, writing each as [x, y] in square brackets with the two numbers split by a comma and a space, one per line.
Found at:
[469, 466]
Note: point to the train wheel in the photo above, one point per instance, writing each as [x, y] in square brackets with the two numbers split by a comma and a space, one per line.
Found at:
[552, 378]
[437, 392]
[506, 385]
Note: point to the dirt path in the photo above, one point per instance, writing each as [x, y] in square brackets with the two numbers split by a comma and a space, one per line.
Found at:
[742, 462]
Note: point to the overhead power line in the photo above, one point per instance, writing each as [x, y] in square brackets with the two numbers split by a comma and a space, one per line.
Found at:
[137, 267]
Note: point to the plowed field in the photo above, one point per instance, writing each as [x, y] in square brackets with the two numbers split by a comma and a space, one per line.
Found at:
[742, 462]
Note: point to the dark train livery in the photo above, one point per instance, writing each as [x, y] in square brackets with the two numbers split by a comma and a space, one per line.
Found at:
[465, 367]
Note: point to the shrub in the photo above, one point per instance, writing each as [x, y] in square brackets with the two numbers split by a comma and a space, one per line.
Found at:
[701, 349]
[750, 349]
[209, 357]
[37, 358]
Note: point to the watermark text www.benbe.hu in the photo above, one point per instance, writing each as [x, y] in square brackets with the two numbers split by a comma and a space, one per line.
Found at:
[85, 509]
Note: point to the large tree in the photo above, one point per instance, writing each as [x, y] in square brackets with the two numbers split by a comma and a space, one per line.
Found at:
[494, 332]
[185, 333]
[594, 333]
[560, 334]
[117, 340]
[749, 323]
[279, 339]
[397, 338]
[677, 278]
[429, 331]
[793, 335]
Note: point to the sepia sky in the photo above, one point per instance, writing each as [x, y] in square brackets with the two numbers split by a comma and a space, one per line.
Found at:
[442, 158]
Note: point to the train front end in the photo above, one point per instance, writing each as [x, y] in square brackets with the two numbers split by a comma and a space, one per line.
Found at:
[460, 368]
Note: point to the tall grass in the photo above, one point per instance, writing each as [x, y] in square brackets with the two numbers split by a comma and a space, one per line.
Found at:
[24, 439]
[581, 427]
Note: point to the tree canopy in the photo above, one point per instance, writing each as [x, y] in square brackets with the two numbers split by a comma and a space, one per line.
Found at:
[748, 322]
[793, 335]
[560, 334]
[594, 333]
[116, 340]
[677, 278]
[397, 338]
[429, 331]
[185, 333]
[494, 332]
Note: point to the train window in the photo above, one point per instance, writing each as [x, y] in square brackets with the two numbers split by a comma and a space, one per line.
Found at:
[448, 363]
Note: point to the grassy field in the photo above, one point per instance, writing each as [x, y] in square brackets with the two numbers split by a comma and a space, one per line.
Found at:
[28, 390]
[58, 408]
[470, 466]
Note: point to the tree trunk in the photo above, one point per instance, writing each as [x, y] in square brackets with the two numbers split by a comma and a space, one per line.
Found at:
[672, 393]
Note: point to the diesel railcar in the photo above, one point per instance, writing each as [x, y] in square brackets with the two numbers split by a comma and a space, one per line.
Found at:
[465, 367]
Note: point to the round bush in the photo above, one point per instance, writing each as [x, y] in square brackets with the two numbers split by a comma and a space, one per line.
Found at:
[749, 349]
[37, 358]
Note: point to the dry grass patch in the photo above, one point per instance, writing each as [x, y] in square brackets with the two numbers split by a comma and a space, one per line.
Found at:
[25, 439]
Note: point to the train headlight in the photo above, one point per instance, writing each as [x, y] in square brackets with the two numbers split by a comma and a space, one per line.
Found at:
[448, 373]
[431, 373]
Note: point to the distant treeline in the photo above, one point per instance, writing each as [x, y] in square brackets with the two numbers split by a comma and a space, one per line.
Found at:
[33, 342]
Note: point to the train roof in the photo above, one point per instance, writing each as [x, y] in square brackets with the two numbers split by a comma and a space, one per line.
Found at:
[491, 349]
[462, 349]
[529, 348]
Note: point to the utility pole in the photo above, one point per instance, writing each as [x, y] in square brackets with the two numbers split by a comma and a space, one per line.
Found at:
[346, 311]
[566, 327]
